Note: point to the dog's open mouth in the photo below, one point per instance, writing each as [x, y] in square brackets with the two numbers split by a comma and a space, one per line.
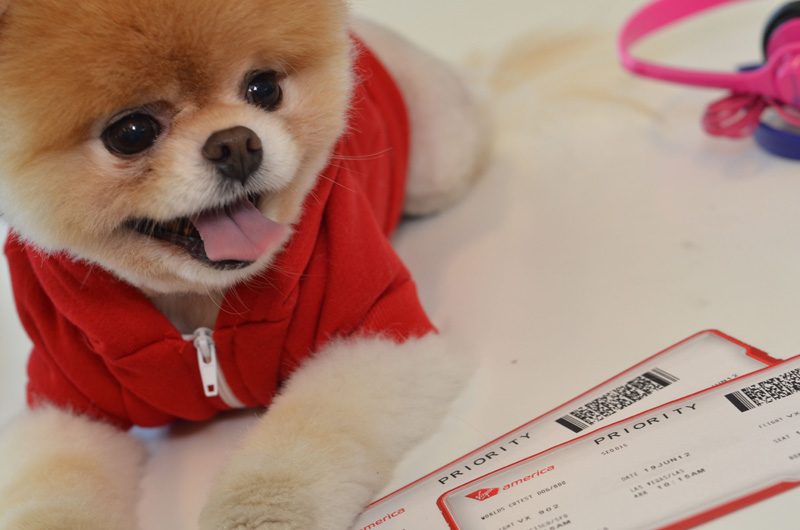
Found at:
[231, 237]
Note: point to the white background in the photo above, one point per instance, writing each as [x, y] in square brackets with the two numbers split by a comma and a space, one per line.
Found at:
[607, 227]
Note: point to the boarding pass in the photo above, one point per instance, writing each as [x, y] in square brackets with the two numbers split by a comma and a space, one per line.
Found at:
[703, 360]
[672, 467]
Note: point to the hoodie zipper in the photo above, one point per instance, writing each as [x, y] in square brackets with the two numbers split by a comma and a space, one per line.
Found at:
[214, 382]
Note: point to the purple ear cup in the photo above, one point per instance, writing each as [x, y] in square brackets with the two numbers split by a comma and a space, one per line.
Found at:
[785, 144]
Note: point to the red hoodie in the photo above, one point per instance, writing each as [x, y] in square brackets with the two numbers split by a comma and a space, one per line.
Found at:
[101, 348]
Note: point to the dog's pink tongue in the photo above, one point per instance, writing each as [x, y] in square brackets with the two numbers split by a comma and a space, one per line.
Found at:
[240, 233]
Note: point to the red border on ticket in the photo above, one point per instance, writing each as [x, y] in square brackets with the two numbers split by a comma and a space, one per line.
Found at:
[750, 351]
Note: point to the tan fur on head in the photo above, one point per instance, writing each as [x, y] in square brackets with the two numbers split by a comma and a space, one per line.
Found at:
[185, 61]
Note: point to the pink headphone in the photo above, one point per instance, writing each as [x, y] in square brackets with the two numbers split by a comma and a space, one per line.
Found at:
[774, 84]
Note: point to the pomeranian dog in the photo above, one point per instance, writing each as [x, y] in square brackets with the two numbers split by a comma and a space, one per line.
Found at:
[200, 194]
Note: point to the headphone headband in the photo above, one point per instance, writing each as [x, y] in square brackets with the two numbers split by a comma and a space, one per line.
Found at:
[662, 13]
[651, 18]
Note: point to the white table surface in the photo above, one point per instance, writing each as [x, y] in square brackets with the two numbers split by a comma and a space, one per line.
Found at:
[607, 227]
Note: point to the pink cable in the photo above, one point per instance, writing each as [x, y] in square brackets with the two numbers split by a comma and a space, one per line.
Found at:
[737, 115]
[734, 116]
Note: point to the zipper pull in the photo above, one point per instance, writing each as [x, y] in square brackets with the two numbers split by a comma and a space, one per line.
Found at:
[207, 360]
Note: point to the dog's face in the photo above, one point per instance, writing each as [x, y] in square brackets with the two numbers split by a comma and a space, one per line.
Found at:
[171, 142]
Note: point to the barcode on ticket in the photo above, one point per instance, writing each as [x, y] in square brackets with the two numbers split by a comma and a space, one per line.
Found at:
[615, 400]
[767, 391]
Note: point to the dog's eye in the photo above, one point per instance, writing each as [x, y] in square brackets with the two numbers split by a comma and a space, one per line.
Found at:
[132, 134]
[263, 90]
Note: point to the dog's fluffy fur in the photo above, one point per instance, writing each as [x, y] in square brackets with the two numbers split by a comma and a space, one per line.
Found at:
[68, 68]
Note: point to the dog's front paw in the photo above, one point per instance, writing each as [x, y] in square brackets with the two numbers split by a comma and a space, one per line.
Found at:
[61, 516]
[251, 500]
[250, 508]
[297, 488]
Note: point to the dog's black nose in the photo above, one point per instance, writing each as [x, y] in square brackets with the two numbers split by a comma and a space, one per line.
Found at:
[236, 152]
